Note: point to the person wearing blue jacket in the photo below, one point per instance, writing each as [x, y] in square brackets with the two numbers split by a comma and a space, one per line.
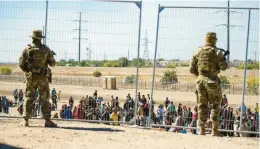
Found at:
[67, 114]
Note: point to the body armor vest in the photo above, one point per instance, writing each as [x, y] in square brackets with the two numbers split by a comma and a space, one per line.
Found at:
[207, 60]
[38, 59]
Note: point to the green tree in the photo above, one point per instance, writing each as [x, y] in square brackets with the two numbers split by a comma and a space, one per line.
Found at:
[97, 73]
[111, 64]
[224, 82]
[84, 63]
[134, 62]
[5, 70]
[171, 65]
[130, 79]
[107, 64]
[250, 65]
[253, 85]
[61, 63]
[123, 61]
[160, 59]
[169, 77]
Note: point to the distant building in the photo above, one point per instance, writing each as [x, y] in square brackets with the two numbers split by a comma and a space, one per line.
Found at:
[235, 63]
[162, 63]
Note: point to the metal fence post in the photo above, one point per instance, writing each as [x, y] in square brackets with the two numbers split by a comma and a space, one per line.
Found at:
[139, 5]
[154, 64]
[46, 22]
[245, 67]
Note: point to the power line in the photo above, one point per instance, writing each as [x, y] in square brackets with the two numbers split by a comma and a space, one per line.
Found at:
[228, 26]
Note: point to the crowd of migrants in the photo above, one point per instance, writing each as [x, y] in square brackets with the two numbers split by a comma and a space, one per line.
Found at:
[95, 108]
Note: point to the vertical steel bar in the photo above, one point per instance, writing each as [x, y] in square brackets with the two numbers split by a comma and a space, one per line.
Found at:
[138, 56]
[245, 67]
[79, 37]
[154, 66]
[228, 31]
[46, 22]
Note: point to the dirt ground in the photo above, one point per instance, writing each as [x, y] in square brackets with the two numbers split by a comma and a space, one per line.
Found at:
[75, 135]
[233, 75]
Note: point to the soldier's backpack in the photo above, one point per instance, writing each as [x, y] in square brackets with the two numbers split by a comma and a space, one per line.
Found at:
[207, 59]
[37, 58]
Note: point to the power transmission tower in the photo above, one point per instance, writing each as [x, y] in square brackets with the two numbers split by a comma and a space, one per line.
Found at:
[105, 56]
[146, 51]
[66, 55]
[79, 37]
[128, 55]
[89, 52]
[228, 26]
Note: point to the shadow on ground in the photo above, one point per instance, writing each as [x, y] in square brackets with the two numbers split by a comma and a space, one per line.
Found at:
[5, 146]
[93, 129]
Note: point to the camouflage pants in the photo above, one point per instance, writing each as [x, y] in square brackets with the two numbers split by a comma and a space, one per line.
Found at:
[209, 92]
[34, 82]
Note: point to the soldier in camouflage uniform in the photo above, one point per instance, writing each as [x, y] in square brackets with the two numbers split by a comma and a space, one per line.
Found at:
[34, 61]
[206, 63]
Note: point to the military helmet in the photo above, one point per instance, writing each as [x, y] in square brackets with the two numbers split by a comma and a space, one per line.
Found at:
[37, 34]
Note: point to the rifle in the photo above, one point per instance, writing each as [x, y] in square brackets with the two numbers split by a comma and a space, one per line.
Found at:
[53, 53]
[226, 52]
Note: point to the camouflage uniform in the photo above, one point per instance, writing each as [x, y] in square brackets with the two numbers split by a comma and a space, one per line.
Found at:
[206, 63]
[34, 62]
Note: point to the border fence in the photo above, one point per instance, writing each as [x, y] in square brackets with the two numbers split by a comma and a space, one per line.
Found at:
[230, 88]
[181, 29]
[97, 30]
[77, 31]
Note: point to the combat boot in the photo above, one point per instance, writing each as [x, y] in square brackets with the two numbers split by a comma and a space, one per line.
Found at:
[215, 131]
[25, 123]
[202, 131]
[51, 124]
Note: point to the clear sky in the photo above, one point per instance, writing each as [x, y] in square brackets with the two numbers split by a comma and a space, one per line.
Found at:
[112, 28]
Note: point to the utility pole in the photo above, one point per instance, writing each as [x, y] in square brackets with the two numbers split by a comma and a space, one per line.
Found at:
[79, 37]
[228, 27]
[228, 32]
